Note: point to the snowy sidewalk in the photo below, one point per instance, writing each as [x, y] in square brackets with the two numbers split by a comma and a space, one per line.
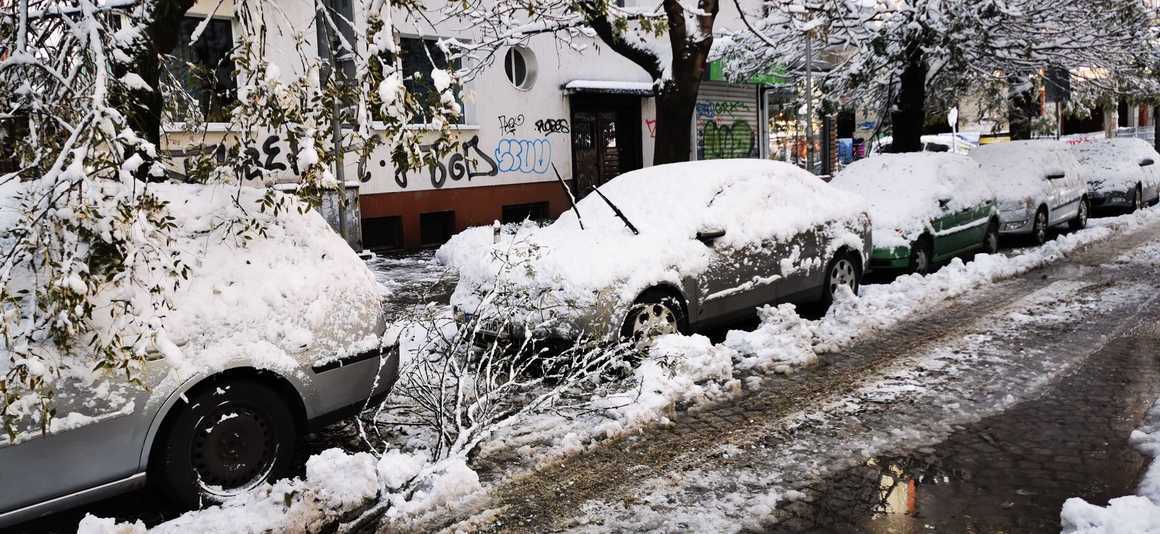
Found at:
[746, 463]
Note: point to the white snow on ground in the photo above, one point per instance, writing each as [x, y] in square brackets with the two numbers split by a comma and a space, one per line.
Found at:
[1130, 514]
[681, 370]
[971, 378]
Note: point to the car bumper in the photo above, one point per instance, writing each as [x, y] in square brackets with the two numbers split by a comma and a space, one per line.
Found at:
[1110, 200]
[1016, 222]
[890, 258]
[345, 387]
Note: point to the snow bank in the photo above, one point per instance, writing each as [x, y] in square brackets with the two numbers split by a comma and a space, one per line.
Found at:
[1130, 514]
[1114, 164]
[337, 487]
[904, 191]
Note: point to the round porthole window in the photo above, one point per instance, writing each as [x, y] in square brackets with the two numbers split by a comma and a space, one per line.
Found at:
[520, 66]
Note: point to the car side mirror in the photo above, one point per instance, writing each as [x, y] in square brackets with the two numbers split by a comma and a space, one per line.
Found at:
[1147, 163]
[1056, 175]
[710, 234]
[944, 202]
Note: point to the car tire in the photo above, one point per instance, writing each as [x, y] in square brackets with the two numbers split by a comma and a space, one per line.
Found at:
[1081, 217]
[844, 269]
[1039, 229]
[227, 439]
[921, 256]
[655, 313]
[991, 238]
[1138, 199]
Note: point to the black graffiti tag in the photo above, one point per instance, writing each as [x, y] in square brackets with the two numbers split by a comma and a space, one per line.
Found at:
[551, 126]
[508, 125]
[255, 166]
[467, 162]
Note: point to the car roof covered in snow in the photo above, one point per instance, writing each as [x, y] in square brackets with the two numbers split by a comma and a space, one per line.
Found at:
[1018, 169]
[904, 190]
[1114, 163]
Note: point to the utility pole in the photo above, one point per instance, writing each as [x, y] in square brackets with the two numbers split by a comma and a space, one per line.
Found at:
[810, 100]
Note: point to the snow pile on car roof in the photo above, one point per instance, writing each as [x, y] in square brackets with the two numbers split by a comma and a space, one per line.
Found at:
[1018, 170]
[295, 286]
[904, 191]
[1114, 164]
[750, 200]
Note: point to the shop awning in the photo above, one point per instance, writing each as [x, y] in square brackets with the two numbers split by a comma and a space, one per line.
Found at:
[607, 87]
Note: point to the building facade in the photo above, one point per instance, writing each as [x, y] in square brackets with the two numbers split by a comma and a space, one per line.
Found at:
[539, 110]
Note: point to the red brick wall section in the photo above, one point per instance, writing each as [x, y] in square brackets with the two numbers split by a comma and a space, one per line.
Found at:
[473, 206]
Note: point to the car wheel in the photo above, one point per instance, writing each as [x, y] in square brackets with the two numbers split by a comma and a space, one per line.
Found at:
[1081, 218]
[655, 314]
[1138, 200]
[843, 271]
[1039, 231]
[228, 439]
[991, 238]
[920, 256]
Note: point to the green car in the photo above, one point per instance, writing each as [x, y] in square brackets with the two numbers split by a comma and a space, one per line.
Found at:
[925, 208]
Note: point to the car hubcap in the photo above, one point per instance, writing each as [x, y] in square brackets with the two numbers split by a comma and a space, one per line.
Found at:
[1083, 213]
[1041, 227]
[233, 447]
[843, 275]
[1139, 200]
[652, 321]
[920, 261]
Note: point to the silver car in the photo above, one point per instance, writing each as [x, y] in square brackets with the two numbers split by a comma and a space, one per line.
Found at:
[1122, 173]
[671, 248]
[1039, 185]
[211, 431]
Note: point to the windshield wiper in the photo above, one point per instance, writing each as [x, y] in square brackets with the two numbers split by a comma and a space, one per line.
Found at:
[617, 211]
[568, 192]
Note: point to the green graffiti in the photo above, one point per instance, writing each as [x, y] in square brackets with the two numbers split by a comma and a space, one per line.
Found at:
[727, 141]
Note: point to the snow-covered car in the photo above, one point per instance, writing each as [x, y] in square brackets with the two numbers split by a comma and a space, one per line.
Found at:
[925, 207]
[1122, 172]
[267, 339]
[1039, 184]
[670, 248]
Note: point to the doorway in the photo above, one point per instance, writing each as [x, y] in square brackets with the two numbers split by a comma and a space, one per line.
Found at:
[606, 139]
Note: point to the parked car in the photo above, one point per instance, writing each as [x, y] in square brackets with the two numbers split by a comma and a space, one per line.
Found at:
[671, 248]
[1122, 172]
[1039, 185]
[925, 208]
[265, 341]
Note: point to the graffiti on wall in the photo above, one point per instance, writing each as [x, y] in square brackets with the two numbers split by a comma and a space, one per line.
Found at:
[469, 161]
[727, 141]
[651, 124]
[508, 125]
[723, 130]
[551, 126]
[523, 155]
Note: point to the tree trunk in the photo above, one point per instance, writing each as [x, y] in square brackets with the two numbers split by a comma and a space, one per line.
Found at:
[1156, 124]
[1022, 106]
[675, 103]
[143, 108]
[910, 113]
